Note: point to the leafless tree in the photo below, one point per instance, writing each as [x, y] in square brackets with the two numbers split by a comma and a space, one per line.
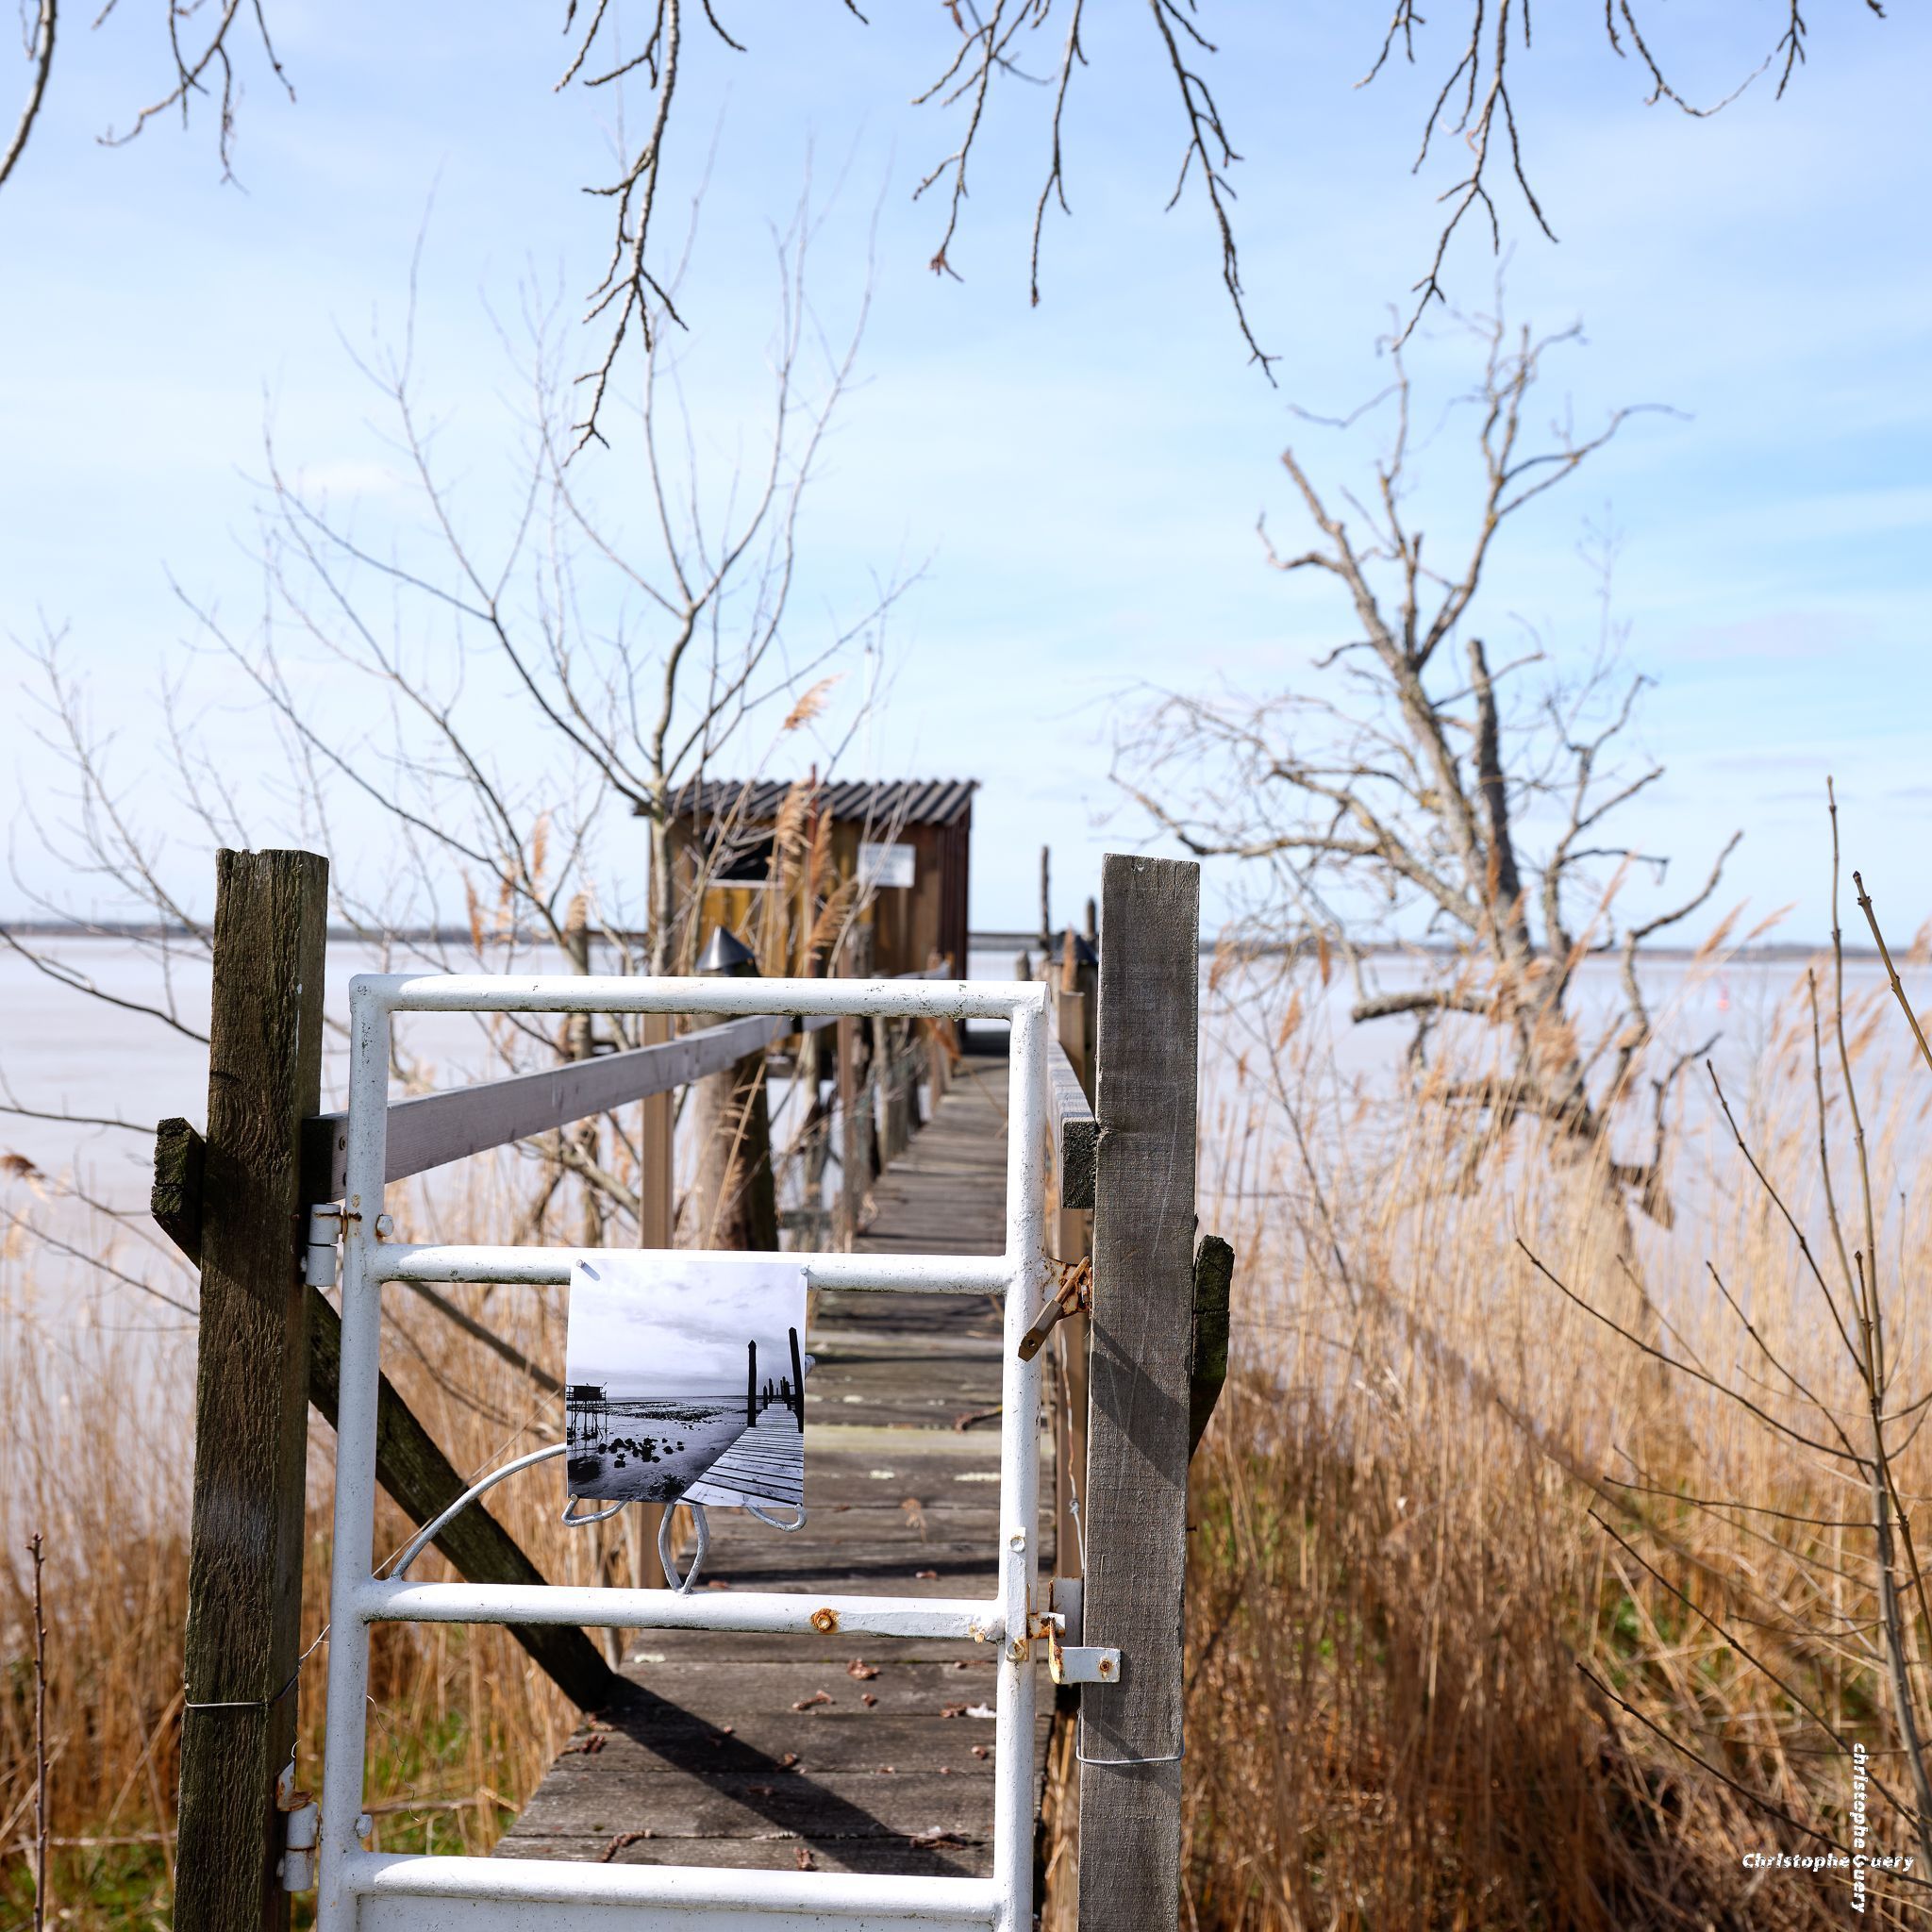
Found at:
[39, 54]
[1484, 45]
[1399, 794]
[476, 715]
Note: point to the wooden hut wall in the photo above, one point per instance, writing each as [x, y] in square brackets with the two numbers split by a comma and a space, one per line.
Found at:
[908, 923]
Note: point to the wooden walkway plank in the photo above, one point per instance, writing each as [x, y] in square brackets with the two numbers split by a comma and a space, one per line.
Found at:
[859, 1755]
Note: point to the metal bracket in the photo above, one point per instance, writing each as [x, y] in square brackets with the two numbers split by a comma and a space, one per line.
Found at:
[1075, 1663]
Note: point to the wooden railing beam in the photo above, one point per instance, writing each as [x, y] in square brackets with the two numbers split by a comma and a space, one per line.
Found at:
[430, 1130]
[1073, 1130]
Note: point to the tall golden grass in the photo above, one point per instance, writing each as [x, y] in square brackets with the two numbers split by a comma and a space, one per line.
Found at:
[1444, 1669]
[1463, 1652]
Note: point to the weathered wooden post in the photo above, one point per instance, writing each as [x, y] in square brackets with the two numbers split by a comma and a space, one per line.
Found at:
[858, 1141]
[895, 1132]
[250, 1402]
[735, 1194]
[1080, 976]
[579, 1043]
[657, 1211]
[1138, 1416]
[850, 1189]
[939, 1034]
[1073, 1018]
[655, 1188]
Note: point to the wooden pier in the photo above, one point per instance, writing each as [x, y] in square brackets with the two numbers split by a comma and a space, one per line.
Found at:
[833, 1753]
[781, 1752]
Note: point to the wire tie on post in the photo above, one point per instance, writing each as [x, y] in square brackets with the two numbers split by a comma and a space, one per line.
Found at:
[261, 1703]
[1171, 1758]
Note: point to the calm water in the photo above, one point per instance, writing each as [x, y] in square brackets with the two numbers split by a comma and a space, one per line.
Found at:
[60, 1051]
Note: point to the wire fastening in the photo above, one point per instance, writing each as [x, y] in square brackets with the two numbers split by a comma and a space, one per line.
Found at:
[664, 1554]
[427, 1534]
[751, 1508]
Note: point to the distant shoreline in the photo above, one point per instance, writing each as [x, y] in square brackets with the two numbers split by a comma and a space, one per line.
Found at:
[1770, 954]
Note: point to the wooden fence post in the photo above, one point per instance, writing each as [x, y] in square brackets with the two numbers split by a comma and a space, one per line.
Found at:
[735, 1194]
[1137, 1444]
[1072, 1243]
[251, 1405]
[656, 1201]
[850, 1189]
[895, 1123]
[656, 1186]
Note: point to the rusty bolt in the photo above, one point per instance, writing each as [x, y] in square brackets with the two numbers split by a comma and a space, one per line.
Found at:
[825, 1621]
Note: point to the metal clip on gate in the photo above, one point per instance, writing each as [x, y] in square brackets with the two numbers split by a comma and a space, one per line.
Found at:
[360, 1891]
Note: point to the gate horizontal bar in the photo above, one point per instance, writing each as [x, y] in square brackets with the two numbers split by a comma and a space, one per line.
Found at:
[571, 992]
[788, 1613]
[544, 1267]
[862, 1901]
[430, 1130]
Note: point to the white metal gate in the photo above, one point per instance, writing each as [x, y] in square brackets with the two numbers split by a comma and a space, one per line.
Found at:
[360, 1891]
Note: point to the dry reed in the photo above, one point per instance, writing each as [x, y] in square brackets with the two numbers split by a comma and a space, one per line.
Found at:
[1445, 1668]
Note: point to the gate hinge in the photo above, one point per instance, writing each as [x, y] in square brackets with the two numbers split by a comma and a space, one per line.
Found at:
[1075, 1663]
[319, 1255]
[301, 1829]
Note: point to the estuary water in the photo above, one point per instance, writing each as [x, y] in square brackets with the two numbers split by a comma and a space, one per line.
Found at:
[131, 1057]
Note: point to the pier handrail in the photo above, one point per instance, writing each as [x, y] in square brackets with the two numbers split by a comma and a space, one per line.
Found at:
[430, 1130]
[1074, 1132]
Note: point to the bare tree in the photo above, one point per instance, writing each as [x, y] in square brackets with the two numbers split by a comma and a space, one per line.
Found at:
[1473, 111]
[1402, 795]
[477, 715]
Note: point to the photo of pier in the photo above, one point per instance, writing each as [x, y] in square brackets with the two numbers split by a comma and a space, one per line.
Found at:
[685, 1380]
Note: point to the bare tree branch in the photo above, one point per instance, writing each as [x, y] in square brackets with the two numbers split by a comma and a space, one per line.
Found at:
[41, 51]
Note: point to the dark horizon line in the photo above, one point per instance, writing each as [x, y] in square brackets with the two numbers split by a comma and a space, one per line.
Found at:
[986, 940]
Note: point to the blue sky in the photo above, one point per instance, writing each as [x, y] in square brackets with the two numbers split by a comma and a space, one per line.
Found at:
[1081, 481]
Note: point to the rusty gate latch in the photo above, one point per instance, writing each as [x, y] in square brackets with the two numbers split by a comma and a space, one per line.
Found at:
[1075, 1662]
[1075, 1295]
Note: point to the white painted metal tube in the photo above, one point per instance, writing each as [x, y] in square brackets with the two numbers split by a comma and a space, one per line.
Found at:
[1027, 1155]
[545, 1267]
[399, 1570]
[358, 1891]
[354, 1501]
[567, 992]
[838, 1898]
[951, 1617]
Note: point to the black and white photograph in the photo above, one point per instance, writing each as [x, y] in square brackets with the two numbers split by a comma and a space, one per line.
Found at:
[685, 1380]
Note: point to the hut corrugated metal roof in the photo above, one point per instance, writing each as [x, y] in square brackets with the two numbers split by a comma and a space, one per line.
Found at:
[879, 802]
